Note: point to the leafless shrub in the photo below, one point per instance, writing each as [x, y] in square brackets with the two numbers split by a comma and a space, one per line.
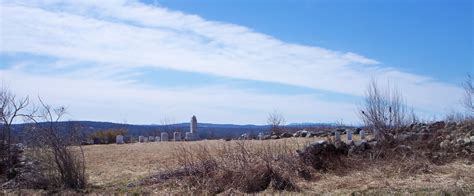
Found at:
[383, 109]
[11, 108]
[456, 117]
[276, 121]
[237, 165]
[55, 148]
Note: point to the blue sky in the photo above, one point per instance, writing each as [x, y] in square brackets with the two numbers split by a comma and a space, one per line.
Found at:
[409, 35]
[234, 61]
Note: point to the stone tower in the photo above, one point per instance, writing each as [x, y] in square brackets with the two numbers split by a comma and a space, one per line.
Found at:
[193, 125]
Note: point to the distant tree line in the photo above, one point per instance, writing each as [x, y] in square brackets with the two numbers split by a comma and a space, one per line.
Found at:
[107, 136]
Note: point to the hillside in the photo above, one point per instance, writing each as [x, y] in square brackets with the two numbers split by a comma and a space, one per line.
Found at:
[206, 130]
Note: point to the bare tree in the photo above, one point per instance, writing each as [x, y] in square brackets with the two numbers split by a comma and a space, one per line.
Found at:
[11, 108]
[383, 109]
[468, 100]
[167, 124]
[276, 121]
[59, 148]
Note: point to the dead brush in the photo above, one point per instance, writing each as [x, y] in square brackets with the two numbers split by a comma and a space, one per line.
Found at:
[238, 165]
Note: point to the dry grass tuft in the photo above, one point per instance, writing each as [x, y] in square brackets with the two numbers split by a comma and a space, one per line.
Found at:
[239, 165]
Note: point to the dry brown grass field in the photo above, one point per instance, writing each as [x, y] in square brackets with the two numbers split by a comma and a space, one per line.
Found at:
[114, 164]
[112, 168]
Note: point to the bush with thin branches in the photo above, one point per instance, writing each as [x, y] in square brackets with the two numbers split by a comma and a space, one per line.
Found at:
[384, 109]
[238, 165]
[58, 149]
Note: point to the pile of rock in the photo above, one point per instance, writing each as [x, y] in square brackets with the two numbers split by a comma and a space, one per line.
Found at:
[439, 141]
[449, 136]
[25, 173]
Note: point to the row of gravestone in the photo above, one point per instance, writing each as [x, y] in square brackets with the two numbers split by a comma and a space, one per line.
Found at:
[163, 138]
[337, 135]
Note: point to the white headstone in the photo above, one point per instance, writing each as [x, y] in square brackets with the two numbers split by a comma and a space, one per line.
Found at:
[119, 139]
[151, 138]
[337, 136]
[189, 136]
[362, 134]
[157, 139]
[141, 139]
[177, 136]
[164, 137]
[261, 136]
[349, 135]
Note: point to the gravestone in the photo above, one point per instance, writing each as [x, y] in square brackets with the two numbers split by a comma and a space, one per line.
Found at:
[141, 139]
[151, 138]
[164, 137]
[349, 134]
[362, 134]
[337, 136]
[261, 136]
[119, 139]
[157, 139]
[177, 136]
[189, 136]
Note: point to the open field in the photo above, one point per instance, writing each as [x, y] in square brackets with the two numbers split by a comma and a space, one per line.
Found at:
[111, 164]
[114, 167]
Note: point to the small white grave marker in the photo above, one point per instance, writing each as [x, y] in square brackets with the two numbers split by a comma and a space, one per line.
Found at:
[164, 137]
[177, 136]
[119, 139]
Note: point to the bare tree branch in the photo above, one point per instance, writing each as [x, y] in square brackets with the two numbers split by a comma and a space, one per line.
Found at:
[276, 120]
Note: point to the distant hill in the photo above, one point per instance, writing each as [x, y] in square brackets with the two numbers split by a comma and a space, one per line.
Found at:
[206, 130]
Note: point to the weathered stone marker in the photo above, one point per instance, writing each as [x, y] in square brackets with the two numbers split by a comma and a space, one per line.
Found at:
[177, 136]
[337, 136]
[151, 138]
[189, 136]
[157, 139]
[362, 134]
[141, 139]
[349, 135]
[164, 137]
[119, 139]
[261, 136]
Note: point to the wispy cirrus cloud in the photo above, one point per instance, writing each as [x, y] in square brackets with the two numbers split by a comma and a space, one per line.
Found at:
[115, 37]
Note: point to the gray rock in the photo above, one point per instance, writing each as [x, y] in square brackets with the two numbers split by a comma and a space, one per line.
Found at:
[274, 137]
[362, 134]
[286, 135]
[443, 145]
[437, 126]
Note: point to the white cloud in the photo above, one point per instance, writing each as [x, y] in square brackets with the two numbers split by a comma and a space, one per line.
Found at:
[106, 100]
[127, 34]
